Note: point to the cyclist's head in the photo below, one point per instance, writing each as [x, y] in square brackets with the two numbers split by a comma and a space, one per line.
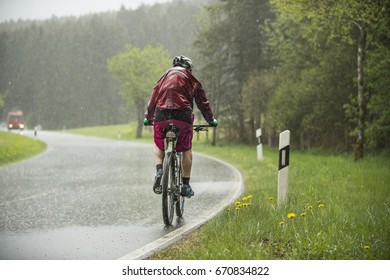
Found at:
[183, 61]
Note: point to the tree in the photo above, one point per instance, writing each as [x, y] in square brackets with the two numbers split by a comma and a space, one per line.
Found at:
[1, 102]
[138, 70]
[212, 53]
[341, 18]
[232, 47]
[255, 95]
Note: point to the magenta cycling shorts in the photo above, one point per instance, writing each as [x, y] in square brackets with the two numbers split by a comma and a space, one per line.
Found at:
[184, 142]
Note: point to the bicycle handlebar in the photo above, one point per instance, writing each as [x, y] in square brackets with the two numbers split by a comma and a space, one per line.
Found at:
[201, 127]
[197, 127]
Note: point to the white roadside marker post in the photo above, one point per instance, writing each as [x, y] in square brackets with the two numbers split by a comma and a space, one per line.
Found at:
[259, 145]
[284, 160]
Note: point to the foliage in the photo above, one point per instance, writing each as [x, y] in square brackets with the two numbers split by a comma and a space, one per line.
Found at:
[1, 102]
[55, 71]
[305, 55]
[378, 84]
[138, 70]
[255, 93]
[278, 64]
[343, 21]
[231, 44]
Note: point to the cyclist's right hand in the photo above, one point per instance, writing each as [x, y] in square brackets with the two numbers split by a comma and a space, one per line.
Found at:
[214, 123]
[147, 122]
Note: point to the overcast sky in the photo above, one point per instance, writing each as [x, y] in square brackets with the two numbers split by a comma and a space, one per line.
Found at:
[45, 9]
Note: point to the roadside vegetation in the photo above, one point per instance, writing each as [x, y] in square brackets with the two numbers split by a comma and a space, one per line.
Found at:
[14, 147]
[337, 208]
[319, 71]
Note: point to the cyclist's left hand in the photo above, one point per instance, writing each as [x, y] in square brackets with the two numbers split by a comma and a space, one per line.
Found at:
[147, 122]
[214, 123]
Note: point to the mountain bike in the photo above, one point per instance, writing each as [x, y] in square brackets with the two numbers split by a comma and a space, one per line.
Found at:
[172, 178]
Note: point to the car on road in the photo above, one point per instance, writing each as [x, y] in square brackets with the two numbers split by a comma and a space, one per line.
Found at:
[15, 120]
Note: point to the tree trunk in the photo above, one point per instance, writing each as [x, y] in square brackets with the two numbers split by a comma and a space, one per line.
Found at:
[359, 145]
[216, 114]
[252, 131]
[214, 137]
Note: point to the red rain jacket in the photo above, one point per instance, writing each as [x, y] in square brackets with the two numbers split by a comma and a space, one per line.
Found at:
[177, 89]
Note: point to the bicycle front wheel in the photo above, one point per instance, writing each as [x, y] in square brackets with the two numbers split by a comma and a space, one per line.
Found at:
[179, 177]
[168, 186]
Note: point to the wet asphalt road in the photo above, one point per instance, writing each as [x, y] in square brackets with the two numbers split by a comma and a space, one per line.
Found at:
[90, 198]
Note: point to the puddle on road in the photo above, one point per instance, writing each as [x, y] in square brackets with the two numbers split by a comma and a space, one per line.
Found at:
[77, 243]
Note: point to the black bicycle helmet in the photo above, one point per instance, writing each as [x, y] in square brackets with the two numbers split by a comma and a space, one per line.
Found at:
[183, 61]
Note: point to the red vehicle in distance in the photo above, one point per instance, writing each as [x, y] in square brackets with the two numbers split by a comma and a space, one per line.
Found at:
[15, 120]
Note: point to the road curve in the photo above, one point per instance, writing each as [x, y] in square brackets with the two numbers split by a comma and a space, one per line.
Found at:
[91, 198]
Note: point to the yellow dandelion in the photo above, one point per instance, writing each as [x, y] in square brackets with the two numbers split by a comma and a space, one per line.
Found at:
[291, 215]
[244, 198]
[321, 205]
[319, 201]
[228, 209]
[303, 214]
[249, 196]
[237, 208]
[310, 207]
[237, 203]
[270, 198]
[366, 247]
[281, 223]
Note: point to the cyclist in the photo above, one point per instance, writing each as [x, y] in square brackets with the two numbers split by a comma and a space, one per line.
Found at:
[172, 102]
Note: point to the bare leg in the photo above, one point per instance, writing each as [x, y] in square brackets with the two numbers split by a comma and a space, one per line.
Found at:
[158, 155]
[158, 158]
[187, 163]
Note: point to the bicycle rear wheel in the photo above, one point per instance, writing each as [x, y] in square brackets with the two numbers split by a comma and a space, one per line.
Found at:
[168, 186]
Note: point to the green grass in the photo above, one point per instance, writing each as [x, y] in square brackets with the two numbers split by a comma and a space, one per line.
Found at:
[341, 207]
[14, 147]
[126, 131]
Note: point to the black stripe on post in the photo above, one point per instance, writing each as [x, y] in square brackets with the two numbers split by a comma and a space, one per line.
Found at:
[259, 140]
[284, 157]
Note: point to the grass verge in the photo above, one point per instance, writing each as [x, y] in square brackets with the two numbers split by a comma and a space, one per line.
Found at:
[14, 147]
[336, 209]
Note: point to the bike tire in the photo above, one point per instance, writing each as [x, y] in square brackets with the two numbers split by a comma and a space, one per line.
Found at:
[168, 197]
[180, 207]
[180, 199]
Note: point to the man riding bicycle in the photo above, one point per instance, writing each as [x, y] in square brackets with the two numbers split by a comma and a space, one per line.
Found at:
[172, 102]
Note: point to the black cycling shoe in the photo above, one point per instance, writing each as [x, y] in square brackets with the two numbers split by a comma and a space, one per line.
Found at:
[157, 188]
[186, 191]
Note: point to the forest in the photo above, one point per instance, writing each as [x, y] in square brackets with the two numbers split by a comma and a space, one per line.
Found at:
[56, 71]
[318, 68]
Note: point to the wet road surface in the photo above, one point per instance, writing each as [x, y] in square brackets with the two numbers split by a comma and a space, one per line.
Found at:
[91, 198]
